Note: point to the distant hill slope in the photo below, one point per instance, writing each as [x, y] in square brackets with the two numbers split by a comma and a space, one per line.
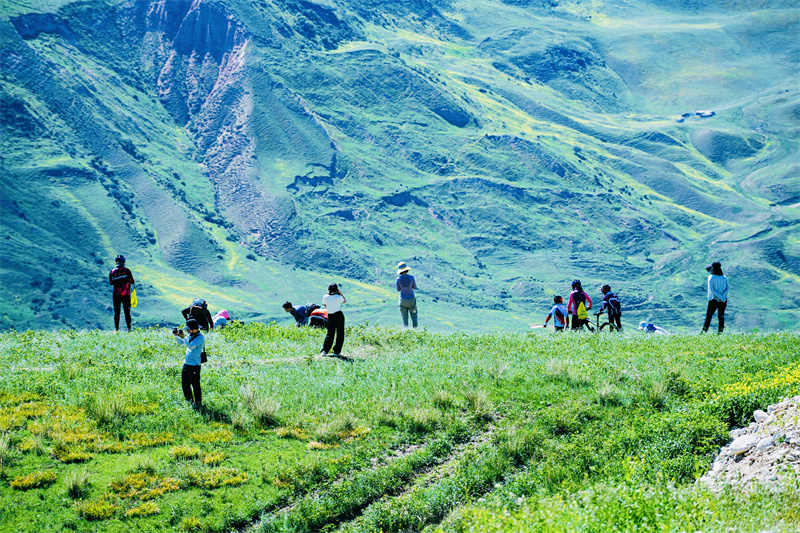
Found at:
[251, 152]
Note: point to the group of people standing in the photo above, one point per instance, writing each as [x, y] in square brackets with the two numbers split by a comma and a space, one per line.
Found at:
[576, 311]
[198, 317]
[575, 314]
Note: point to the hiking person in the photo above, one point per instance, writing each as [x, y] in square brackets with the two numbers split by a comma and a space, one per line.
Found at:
[122, 280]
[611, 302]
[406, 285]
[221, 319]
[648, 327]
[300, 313]
[718, 287]
[190, 374]
[333, 303]
[558, 313]
[578, 305]
[199, 311]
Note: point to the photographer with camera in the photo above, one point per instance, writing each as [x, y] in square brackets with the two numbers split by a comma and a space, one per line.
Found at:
[190, 375]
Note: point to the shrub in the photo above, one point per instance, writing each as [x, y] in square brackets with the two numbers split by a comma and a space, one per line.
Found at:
[35, 480]
[101, 508]
[443, 400]
[107, 410]
[264, 411]
[78, 484]
[5, 453]
[184, 453]
[478, 404]
[144, 509]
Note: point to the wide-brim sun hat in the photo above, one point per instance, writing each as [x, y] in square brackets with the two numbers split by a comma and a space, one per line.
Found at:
[224, 314]
[643, 324]
[402, 267]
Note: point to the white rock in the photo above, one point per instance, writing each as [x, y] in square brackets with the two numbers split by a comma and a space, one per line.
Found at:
[742, 444]
[737, 433]
[760, 415]
[765, 443]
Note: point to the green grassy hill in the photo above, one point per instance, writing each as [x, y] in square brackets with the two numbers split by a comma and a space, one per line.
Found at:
[253, 152]
[421, 431]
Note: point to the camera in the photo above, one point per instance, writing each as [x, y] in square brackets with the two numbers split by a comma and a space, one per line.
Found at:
[174, 331]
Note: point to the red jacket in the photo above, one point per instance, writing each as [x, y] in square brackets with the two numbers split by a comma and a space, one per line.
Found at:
[121, 278]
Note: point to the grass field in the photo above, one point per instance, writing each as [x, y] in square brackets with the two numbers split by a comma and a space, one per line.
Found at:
[421, 431]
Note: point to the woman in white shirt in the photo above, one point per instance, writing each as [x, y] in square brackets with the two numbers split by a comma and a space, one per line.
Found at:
[333, 303]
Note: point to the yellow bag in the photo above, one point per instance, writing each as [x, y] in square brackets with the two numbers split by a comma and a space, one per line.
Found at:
[582, 313]
[134, 300]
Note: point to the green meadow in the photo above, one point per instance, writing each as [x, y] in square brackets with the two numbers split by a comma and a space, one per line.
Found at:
[420, 431]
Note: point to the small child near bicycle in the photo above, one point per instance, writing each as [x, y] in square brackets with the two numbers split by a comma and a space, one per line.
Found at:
[558, 313]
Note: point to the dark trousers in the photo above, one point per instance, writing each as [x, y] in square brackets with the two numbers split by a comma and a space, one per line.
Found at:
[190, 379]
[125, 302]
[335, 328]
[719, 307]
[615, 320]
[577, 323]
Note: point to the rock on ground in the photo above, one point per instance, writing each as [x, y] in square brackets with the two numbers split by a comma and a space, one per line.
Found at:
[764, 453]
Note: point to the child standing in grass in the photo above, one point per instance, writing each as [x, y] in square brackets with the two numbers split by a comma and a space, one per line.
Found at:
[190, 375]
[558, 313]
[333, 303]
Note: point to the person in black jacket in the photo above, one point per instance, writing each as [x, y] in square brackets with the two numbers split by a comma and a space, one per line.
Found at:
[199, 311]
[611, 303]
[122, 280]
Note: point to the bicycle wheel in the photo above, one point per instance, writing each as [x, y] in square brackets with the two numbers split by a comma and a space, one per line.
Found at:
[608, 326]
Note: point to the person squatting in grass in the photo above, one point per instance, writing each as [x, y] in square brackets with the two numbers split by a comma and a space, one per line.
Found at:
[718, 287]
[198, 310]
[558, 313]
[333, 303]
[406, 284]
[221, 319]
[300, 313]
[611, 302]
[190, 375]
[122, 280]
[576, 298]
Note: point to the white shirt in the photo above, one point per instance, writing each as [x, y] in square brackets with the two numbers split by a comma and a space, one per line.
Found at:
[333, 302]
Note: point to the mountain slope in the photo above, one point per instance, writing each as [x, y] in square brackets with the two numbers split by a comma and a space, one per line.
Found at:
[503, 148]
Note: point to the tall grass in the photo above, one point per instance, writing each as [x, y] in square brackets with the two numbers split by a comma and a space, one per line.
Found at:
[422, 430]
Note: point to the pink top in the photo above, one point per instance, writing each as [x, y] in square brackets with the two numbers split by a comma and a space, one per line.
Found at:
[570, 303]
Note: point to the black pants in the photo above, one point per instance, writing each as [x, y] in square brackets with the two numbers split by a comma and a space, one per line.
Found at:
[190, 379]
[125, 302]
[615, 320]
[577, 323]
[335, 328]
[719, 307]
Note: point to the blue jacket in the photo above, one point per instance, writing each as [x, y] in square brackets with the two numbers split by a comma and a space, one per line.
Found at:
[194, 345]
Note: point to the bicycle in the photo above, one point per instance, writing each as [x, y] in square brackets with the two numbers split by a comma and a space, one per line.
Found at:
[598, 327]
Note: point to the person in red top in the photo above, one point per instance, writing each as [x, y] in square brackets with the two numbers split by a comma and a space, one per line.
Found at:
[122, 280]
[575, 298]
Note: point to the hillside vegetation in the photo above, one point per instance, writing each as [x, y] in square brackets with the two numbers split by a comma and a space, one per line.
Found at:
[420, 432]
[253, 151]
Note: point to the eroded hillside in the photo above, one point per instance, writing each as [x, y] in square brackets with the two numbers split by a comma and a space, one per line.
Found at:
[503, 148]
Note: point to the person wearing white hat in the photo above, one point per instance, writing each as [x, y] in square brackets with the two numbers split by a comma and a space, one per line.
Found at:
[406, 285]
[647, 327]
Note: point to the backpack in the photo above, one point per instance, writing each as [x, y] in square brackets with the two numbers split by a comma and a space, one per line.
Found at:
[580, 305]
[196, 312]
[614, 305]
